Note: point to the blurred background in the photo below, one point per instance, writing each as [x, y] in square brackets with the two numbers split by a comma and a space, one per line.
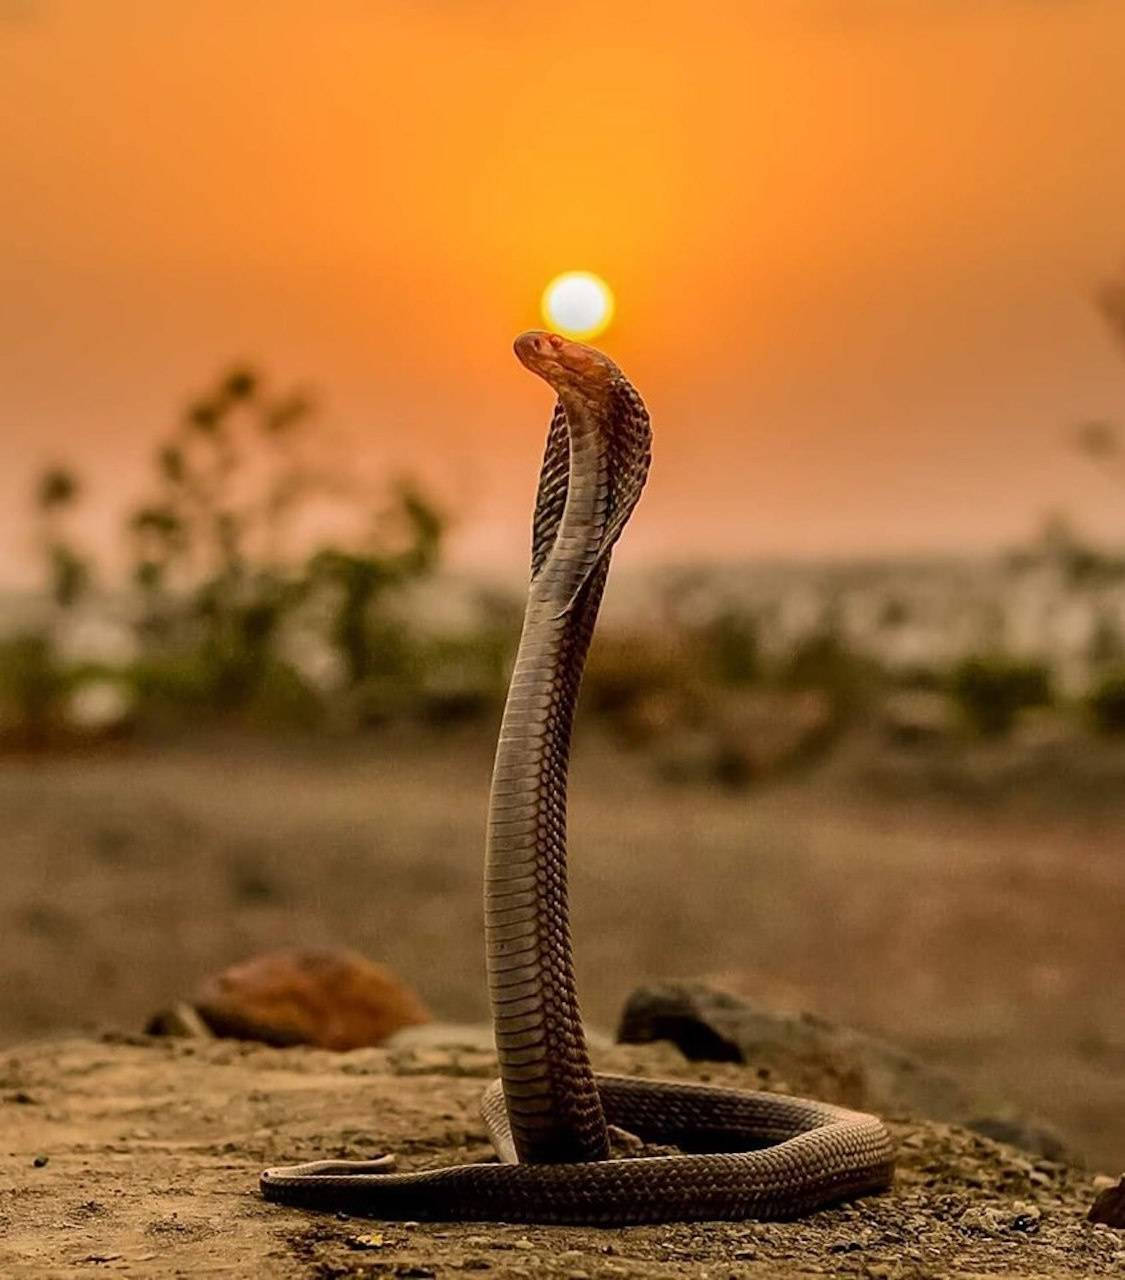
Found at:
[267, 466]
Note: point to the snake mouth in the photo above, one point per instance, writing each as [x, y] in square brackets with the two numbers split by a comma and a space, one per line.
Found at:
[566, 365]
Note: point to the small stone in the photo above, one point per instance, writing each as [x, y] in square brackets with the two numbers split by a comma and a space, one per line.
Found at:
[986, 1219]
[522, 1243]
[1026, 1222]
[40, 1162]
[373, 1241]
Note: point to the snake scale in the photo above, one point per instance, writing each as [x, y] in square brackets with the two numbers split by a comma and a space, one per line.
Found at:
[744, 1154]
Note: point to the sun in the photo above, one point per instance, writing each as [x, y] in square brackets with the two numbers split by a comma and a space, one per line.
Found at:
[578, 304]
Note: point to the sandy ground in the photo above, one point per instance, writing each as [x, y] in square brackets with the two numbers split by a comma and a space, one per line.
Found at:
[141, 1159]
[991, 942]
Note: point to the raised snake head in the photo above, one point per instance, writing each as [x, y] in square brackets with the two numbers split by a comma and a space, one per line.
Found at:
[572, 368]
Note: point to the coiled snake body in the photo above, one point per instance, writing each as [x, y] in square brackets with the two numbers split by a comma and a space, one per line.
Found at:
[746, 1154]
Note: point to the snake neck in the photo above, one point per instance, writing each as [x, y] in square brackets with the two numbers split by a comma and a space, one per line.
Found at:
[549, 1090]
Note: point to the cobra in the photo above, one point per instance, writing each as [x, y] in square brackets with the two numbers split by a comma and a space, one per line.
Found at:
[744, 1154]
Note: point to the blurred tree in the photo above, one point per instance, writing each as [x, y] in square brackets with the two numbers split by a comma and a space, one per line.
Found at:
[213, 564]
[1107, 704]
[992, 691]
[68, 572]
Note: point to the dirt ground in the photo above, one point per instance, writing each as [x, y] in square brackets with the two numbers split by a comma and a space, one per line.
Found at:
[141, 1158]
[989, 941]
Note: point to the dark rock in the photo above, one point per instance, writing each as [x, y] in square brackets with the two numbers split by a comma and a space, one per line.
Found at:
[1109, 1207]
[710, 1024]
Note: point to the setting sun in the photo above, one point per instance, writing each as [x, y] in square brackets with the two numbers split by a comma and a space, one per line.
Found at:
[578, 304]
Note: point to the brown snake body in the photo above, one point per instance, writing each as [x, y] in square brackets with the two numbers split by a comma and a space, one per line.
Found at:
[746, 1154]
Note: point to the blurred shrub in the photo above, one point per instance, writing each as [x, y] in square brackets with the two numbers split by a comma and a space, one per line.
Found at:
[643, 685]
[729, 644]
[1107, 704]
[992, 691]
[32, 686]
[707, 706]
[824, 663]
[220, 583]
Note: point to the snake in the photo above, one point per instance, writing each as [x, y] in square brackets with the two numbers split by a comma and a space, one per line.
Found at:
[738, 1154]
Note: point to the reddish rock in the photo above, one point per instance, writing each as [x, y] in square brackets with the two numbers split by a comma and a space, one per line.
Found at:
[333, 999]
[1109, 1207]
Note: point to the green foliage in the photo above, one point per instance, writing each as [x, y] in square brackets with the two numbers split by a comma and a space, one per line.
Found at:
[68, 572]
[32, 685]
[57, 488]
[730, 647]
[1107, 704]
[992, 691]
[219, 585]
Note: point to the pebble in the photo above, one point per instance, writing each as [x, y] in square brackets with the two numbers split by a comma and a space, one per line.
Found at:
[373, 1241]
[40, 1161]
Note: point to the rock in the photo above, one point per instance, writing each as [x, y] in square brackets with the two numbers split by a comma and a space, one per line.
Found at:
[333, 999]
[1109, 1207]
[709, 1023]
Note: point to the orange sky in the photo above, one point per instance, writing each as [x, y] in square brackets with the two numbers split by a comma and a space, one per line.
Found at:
[853, 244]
